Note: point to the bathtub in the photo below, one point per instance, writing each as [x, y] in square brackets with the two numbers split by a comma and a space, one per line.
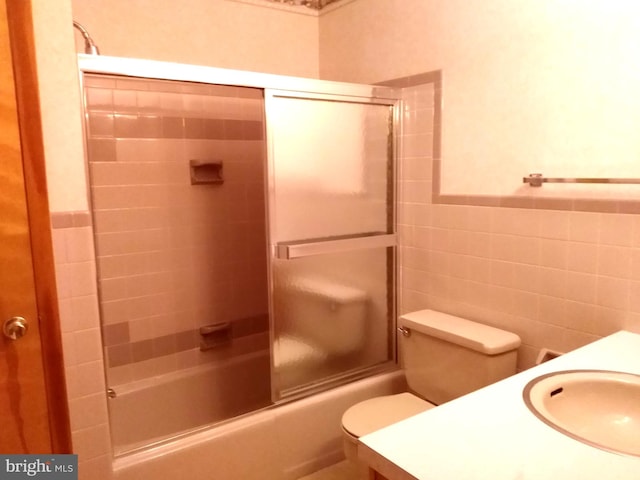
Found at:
[279, 443]
[188, 399]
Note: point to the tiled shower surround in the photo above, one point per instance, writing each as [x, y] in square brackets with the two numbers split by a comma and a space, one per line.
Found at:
[173, 256]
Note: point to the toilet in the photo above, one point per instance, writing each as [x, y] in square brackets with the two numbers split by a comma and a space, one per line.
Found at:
[320, 320]
[443, 357]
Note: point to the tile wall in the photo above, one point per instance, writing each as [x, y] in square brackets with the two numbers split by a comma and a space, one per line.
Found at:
[80, 322]
[558, 278]
[174, 255]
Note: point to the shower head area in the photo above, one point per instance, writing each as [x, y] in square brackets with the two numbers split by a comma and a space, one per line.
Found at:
[90, 48]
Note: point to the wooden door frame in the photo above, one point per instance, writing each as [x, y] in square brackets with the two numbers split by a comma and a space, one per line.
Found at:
[21, 33]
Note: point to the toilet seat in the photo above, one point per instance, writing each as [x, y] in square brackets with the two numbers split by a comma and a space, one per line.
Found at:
[376, 413]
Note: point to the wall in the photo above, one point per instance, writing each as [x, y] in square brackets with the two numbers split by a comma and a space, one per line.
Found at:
[558, 278]
[60, 105]
[219, 33]
[526, 84]
[82, 345]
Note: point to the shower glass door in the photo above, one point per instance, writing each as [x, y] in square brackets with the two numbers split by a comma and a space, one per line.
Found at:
[332, 234]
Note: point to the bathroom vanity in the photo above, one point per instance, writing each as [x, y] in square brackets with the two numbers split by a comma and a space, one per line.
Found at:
[493, 434]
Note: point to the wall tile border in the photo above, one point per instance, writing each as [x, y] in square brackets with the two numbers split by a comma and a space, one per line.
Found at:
[60, 220]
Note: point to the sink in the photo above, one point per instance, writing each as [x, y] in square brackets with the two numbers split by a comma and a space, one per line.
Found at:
[597, 407]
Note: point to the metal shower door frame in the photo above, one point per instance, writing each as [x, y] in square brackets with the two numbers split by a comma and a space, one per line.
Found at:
[271, 84]
[290, 250]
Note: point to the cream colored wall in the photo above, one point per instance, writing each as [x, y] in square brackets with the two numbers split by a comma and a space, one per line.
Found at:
[60, 105]
[219, 33]
[531, 86]
[369, 41]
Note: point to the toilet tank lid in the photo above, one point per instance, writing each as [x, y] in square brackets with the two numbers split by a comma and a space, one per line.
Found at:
[329, 290]
[475, 336]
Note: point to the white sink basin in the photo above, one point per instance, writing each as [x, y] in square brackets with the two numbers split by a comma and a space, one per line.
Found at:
[596, 407]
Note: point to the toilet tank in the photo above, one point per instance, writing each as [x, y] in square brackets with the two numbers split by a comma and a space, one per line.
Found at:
[328, 315]
[445, 357]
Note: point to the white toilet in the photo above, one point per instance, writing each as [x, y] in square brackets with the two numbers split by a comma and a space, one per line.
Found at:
[444, 357]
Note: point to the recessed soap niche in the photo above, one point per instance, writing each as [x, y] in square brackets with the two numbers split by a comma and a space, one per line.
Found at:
[206, 172]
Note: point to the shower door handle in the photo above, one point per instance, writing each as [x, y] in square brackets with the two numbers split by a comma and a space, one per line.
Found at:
[321, 246]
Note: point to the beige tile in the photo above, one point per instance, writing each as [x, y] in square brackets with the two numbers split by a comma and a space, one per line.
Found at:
[614, 261]
[554, 225]
[515, 248]
[101, 125]
[82, 278]
[632, 323]
[99, 99]
[613, 293]
[573, 339]
[581, 316]
[148, 101]
[617, 230]
[141, 329]
[608, 321]
[101, 150]
[553, 253]
[58, 238]
[526, 277]
[119, 375]
[92, 442]
[88, 411]
[417, 192]
[97, 468]
[582, 257]
[68, 321]
[584, 227]
[118, 356]
[515, 221]
[64, 281]
[124, 101]
[115, 334]
[69, 349]
[79, 244]
[479, 269]
[553, 310]
[88, 345]
[90, 379]
[554, 282]
[581, 287]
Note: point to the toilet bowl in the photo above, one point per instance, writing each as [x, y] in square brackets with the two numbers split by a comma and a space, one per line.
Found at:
[376, 413]
[443, 357]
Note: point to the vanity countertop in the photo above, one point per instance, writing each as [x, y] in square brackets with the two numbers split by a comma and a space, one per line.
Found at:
[491, 434]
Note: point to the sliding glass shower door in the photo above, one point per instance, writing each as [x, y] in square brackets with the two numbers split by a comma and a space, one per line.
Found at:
[332, 234]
